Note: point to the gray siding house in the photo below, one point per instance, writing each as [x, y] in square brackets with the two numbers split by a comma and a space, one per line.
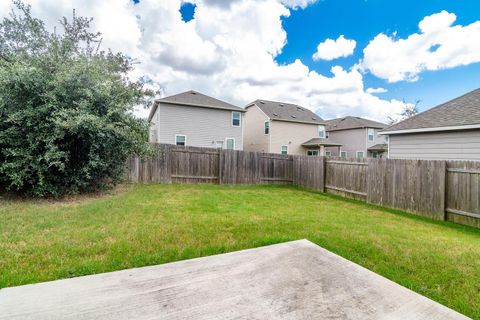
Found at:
[450, 131]
[194, 119]
[284, 128]
[359, 138]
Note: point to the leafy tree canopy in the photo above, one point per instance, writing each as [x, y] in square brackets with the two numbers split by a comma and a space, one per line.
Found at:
[66, 122]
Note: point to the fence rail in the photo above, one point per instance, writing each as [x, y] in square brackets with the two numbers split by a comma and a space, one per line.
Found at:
[443, 190]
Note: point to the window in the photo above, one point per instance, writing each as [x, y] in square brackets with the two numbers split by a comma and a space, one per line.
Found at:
[375, 154]
[312, 153]
[321, 131]
[328, 153]
[360, 154]
[266, 128]
[343, 154]
[370, 134]
[230, 143]
[284, 149]
[180, 140]
[236, 116]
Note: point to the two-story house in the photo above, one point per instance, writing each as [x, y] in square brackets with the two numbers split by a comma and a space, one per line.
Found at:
[359, 138]
[285, 128]
[194, 119]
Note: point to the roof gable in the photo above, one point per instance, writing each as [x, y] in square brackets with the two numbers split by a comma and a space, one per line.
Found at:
[194, 99]
[349, 122]
[461, 111]
[282, 111]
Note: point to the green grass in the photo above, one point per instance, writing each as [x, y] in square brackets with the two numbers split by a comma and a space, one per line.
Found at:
[152, 224]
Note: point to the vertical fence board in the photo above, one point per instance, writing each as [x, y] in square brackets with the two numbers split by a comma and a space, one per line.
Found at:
[412, 185]
[463, 192]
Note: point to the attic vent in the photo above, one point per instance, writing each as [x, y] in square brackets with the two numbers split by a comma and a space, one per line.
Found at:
[299, 109]
[193, 92]
[293, 116]
[276, 115]
[281, 104]
[262, 102]
[313, 118]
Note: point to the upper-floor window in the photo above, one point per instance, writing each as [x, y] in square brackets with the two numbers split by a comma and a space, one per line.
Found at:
[236, 118]
[180, 140]
[284, 149]
[371, 134]
[321, 131]
[230, 143]
[266, 127]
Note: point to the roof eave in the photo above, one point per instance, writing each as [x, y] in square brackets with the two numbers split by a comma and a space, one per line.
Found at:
[432, 129]
[200, 105]
[298, 121]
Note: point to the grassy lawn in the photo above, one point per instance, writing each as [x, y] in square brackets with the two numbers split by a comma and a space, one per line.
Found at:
[152, 224]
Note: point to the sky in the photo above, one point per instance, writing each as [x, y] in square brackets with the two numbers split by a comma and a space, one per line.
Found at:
[363, 58]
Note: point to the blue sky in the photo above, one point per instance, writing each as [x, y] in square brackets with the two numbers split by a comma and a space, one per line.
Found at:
[362, 20]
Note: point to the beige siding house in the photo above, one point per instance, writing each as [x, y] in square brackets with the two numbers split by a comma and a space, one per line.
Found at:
[359, 138]
[278, 127]
[450, 131]
[194, 119]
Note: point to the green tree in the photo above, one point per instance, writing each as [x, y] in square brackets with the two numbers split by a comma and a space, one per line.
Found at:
[66, 121]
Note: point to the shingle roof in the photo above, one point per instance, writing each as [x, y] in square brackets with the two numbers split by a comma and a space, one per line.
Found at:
[314, 142]
[349, 122]
[196, 99]
[282, 111]
[379, 147]
[461, 111]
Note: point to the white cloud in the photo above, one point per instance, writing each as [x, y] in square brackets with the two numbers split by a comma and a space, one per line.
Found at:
[376, 90]
[438, 45]
[332, 49]
[227, 51]
[295, 4]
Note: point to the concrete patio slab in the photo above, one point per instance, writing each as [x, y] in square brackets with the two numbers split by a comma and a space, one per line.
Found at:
[293, 280]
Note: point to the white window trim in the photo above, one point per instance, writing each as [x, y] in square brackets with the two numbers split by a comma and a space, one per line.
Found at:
[226, 143]
[356, 153]
[180, 135]
[281, 148]
[324, 131]
[346, 153]
[240, 119]
[373, 135]
[328, 153]
[318, 152]
[264, 122]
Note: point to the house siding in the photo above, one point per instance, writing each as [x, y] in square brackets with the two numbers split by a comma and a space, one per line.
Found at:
[354, 140]
[454, 145]
[291, 134]
[202, 126]
[254, 137]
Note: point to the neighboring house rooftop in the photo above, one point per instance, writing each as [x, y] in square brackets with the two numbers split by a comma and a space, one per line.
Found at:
[379, 147]
[349, 122]
[316, 142]
[282, 111]
[195, 99]
[460, 113]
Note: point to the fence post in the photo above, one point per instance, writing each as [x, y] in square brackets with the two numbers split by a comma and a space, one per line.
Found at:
[220, 165]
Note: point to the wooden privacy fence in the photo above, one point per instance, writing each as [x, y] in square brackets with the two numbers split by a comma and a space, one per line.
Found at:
[443, 190]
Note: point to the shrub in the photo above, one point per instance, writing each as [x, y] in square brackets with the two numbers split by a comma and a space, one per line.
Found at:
[66, 121]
